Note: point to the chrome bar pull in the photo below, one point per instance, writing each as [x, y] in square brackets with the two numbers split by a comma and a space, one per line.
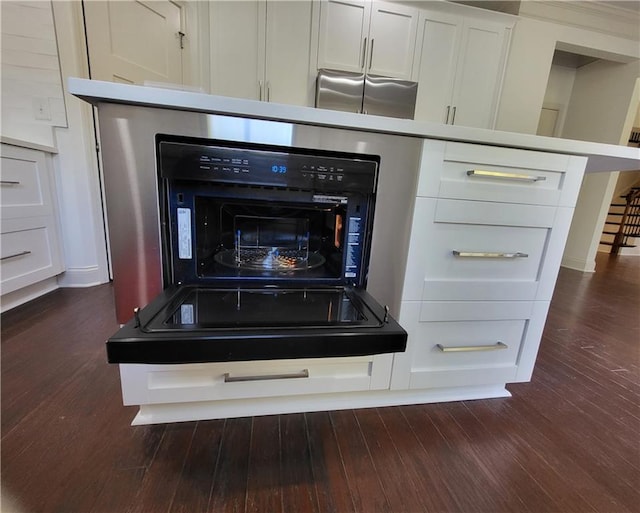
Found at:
[9, 182]
[228, 378]
[268, 92]
[487, 254]
[479, 173]
[371, 54]
[446, 122]
[468, 349]
[453, 118]
[260, 90]
[364, 52]
[15, 255]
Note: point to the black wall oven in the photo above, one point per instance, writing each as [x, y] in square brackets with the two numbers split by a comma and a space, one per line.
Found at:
[265, 253]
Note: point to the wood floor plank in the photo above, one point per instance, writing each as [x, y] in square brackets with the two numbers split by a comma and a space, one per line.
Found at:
[263, 479]
[567, 442]
[571, 456]
[332, 489]
[298, 489]
[160, 482]
[430, 482]
[563, 479]
[540, 488]
[364, 483]
[464, 476]
[196, 481]
[229, 491]
[388, 464]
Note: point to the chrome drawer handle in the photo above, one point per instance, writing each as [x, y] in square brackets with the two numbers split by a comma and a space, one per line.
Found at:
[228, 378]
[22, 253]
[473, 254]
[505, 176]
[9, 182]
[467, 349]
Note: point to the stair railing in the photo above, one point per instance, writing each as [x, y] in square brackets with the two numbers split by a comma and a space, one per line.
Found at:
[630, 222]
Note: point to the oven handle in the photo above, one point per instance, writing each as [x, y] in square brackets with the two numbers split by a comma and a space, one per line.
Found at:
[228, 378]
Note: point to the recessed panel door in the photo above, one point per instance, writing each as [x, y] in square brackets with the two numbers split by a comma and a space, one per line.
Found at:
[133, 41]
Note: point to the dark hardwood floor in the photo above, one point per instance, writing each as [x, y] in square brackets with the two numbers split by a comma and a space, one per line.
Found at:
[569, 441]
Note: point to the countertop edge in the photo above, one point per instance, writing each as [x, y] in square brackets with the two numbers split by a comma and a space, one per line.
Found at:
[602, 157]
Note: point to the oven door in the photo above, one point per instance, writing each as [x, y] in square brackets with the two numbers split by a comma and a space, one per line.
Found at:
[195, 324]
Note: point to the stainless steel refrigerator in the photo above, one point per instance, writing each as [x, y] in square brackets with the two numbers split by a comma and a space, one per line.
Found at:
[367, 94]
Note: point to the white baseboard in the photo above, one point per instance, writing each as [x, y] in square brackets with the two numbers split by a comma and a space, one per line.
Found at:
[578, 264]
[184, 412]
[83, 277]
[23, 295]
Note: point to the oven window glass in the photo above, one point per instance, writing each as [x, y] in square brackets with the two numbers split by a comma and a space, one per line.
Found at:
[217, 308]
[252, 239]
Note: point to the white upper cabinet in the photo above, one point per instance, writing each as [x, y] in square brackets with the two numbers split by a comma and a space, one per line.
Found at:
[461, 67]
[260, 50]
[288, 32]
[363, 36]
[344, 29]
[393, 32]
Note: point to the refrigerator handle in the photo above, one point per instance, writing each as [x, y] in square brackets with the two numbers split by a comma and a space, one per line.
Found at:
[371, 54]
[364, 52]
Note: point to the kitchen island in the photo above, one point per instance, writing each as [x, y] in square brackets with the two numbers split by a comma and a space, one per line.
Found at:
[469, 229]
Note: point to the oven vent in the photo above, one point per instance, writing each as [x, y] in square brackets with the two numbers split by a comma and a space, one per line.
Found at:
[259, 187]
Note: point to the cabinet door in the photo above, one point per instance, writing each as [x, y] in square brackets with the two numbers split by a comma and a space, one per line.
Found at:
[439, 51]
[392, 40]
[288, 32]
[344, 29]
[131, 42]
[479, 73]
[237, 48]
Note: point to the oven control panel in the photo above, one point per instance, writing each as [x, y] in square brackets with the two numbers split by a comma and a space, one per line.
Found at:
[267, 166]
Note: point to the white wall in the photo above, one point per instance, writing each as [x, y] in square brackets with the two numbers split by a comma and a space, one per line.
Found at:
[33, 60]
[603, 94]
[558, 93]
[530, 59]
[76, 165]
[32, 98]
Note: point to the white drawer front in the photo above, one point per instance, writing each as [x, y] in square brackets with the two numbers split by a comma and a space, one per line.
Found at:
[461, 343]
[485, 173]
[153, 384]
[25, 183]
[464, 250]
[28, 255]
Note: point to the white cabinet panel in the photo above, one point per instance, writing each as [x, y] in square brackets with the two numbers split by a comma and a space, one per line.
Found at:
[393, 39]
[363, 36]
[475, 172]
[287, 52]
[460, 349]
[436, 78]
[25, 185]
[29, 239]
[460, 68]
[478, 74]
[260, 50]
[30, 252]
[237, 48]
[344, 27]
[515, 237]
[153, 384]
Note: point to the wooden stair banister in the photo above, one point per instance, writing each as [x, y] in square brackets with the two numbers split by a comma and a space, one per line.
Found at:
[628, 229]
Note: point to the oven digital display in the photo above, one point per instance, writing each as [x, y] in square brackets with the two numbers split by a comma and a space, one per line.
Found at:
[279, 169]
